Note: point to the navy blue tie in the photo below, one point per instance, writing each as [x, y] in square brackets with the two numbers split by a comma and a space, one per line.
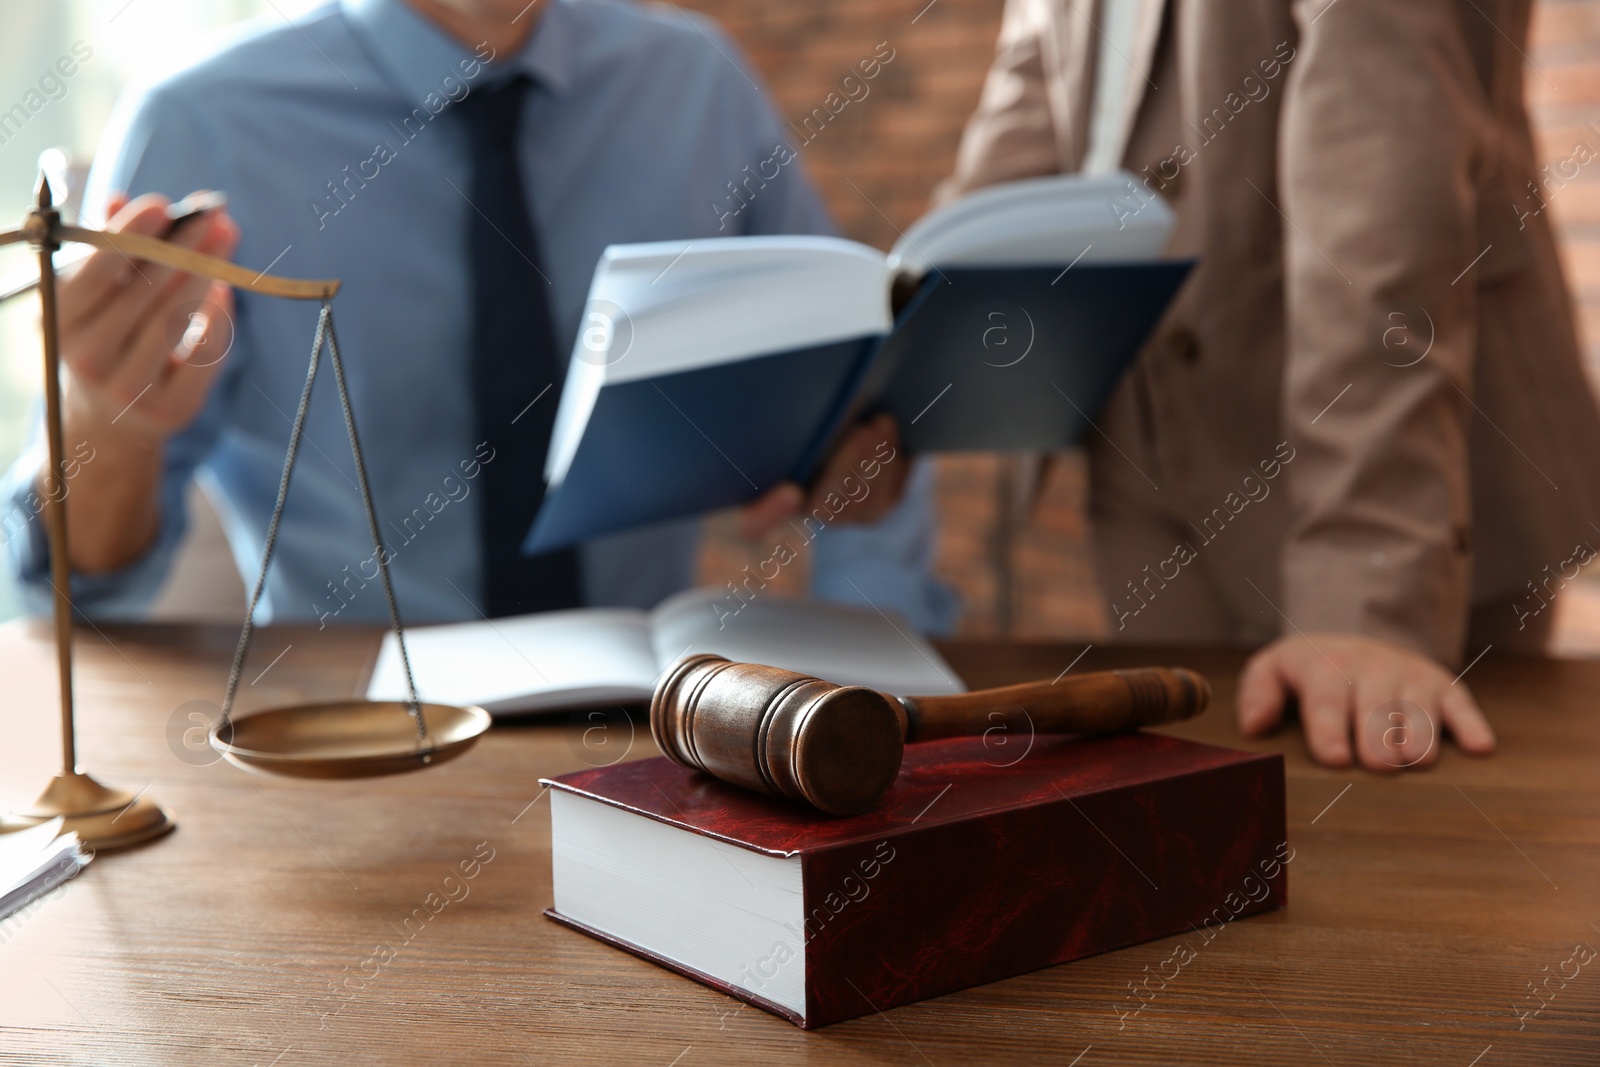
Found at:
[516, 367]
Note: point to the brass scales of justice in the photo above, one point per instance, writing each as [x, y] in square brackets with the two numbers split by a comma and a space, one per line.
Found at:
[341, 739]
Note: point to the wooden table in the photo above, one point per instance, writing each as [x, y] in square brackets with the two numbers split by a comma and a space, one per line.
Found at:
[1422, 905]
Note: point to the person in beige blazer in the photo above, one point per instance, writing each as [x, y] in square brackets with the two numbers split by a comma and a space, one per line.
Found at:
[1362, 434]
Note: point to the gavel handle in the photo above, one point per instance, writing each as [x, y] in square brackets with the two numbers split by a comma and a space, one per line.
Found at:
[1103, 702]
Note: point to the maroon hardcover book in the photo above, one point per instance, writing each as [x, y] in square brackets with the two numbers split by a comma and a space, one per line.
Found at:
[971, 870]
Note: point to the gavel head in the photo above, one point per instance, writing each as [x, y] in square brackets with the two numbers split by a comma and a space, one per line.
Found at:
[835, 747]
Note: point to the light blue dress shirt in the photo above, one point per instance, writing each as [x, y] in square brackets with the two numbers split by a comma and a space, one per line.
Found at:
[334, 140]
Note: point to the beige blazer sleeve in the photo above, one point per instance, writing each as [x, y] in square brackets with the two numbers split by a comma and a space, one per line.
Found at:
[1011, 135]
[1383, 138]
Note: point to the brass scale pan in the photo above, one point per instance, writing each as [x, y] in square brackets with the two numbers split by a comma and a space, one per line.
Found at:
[348, 738]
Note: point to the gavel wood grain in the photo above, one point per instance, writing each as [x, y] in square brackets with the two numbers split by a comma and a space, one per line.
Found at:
[838, 748]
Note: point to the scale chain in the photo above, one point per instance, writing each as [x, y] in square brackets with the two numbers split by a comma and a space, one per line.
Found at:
[324, 335]
[414, 705]
[224, 724]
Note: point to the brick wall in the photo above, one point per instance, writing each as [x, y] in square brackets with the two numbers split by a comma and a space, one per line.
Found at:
[1564, 97]
[877, 161]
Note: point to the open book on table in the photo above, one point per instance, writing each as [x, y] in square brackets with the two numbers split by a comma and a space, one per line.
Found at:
[598, 656]
[708, 371]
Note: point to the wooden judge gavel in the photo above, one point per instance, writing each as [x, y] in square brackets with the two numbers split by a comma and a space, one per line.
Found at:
[838, 748]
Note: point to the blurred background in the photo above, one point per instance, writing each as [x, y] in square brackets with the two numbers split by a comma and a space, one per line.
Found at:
[1022, 572]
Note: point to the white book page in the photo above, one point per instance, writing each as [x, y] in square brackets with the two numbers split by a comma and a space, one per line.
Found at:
[52, 873]
[23, 851]
[36, 860]
[1062, 219]
[671, 306]
[834, 642]
[711, 905]
[525, 663]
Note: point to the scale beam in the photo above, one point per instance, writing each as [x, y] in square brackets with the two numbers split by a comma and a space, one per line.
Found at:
[138, 246]
[50, 230]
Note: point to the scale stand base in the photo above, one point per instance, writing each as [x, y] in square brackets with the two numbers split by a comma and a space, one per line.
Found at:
[102, 818]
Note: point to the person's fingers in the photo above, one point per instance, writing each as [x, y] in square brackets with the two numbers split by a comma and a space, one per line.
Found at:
[775, 506]
[155, 342]
[1382, 721]
[852, 447]
[210, 345]
[1262, 692]
[830, 481]
[213, 235]
[1423, 738]
[191, 378]
[105, 273]
[892, 476]
[869, 499]
[1327, 707]
[116, 345]
[219, 230]
[884, 439]
[879, 431]
[182, 354]
[115, 203]
[201, 356]
[1391, 703]
[1466, 721]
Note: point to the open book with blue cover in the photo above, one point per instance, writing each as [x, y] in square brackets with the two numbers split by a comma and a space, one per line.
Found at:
[708, 371]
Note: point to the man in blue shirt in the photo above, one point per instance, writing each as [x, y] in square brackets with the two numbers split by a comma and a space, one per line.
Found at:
[338, 143]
